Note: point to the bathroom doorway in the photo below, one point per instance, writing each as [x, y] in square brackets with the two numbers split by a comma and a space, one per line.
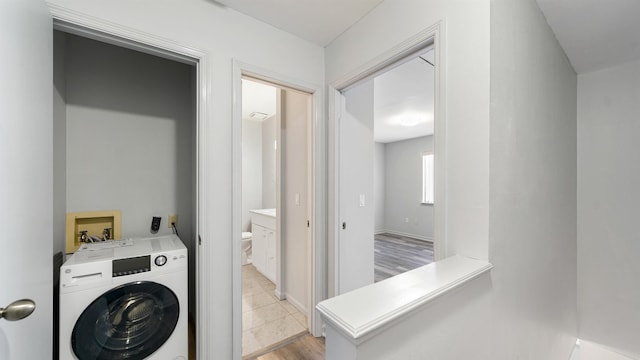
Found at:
[275, 216]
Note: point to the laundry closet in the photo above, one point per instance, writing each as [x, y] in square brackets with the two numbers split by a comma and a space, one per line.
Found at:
[124, 133]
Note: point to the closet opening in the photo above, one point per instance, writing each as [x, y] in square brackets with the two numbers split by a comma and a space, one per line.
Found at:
[126, 129]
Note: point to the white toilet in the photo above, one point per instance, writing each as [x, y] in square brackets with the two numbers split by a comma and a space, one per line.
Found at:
[246, 248]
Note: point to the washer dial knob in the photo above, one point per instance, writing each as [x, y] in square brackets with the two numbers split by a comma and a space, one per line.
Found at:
[160, 260]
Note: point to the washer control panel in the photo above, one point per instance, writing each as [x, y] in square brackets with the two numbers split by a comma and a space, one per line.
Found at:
[160, 260]
[130, 266]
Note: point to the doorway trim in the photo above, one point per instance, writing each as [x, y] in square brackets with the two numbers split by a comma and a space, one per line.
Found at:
[316, 196]
[431, 36]
[94, 28]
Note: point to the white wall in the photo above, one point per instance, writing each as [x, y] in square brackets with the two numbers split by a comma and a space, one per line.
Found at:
[511, 175]
[269, 128]
[533, 186]
[59, 143]
[225, 35]
[608, 178]
[378, 186]
[296, 109]
[453, 327]
[403, 188]
[251, 170]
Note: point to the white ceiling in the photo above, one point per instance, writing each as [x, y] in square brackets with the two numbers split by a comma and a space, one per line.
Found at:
[595, 34]
[257, 99]
[316, 21]
[403, 101]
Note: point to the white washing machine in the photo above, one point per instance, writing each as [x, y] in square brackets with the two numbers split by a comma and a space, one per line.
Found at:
[125, 299]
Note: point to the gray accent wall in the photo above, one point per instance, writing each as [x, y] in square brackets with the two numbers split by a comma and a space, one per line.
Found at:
[129, 129]
[378, 186]
[129, 140]
[403, 188]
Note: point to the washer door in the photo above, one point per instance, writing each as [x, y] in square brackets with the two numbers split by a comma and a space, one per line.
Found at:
[128, 322]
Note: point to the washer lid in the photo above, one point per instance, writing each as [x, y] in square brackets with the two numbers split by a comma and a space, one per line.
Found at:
[128, 322]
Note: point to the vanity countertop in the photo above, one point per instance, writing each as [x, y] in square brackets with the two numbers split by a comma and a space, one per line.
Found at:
[266, 212]
[263, 217]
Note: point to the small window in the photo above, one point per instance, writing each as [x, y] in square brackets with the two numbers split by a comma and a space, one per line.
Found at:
[427, 178]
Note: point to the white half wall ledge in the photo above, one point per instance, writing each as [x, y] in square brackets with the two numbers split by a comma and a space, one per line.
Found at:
[363, 312]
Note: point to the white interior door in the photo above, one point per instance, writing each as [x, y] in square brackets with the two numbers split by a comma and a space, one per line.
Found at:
[294, 123]
[355, 157]
[26, 191]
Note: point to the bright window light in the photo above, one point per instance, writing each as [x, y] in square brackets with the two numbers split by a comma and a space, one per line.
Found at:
[427, 178]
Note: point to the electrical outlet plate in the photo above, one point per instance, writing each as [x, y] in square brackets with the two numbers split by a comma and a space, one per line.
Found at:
[173, 219]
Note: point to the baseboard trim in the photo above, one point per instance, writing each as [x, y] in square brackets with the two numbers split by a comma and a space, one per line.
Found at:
[400, 233]
[293, 301]
[278, 294]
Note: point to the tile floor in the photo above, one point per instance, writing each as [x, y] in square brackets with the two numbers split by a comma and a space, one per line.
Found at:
[266, 320]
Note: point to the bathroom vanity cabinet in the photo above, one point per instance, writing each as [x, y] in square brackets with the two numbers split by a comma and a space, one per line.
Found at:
[263, 242]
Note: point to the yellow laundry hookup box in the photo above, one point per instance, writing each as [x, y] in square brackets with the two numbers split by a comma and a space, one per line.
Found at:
[94, 223]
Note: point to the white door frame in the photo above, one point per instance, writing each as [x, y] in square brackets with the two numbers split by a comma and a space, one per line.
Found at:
[434, 35]
[91, 27]
[318, 253]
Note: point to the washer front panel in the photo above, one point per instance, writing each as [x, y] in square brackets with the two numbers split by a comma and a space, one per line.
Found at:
[127, 322]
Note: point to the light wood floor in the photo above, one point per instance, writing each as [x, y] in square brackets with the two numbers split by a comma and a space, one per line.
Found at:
[192, 339]
[305, 347]
[395, 254]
